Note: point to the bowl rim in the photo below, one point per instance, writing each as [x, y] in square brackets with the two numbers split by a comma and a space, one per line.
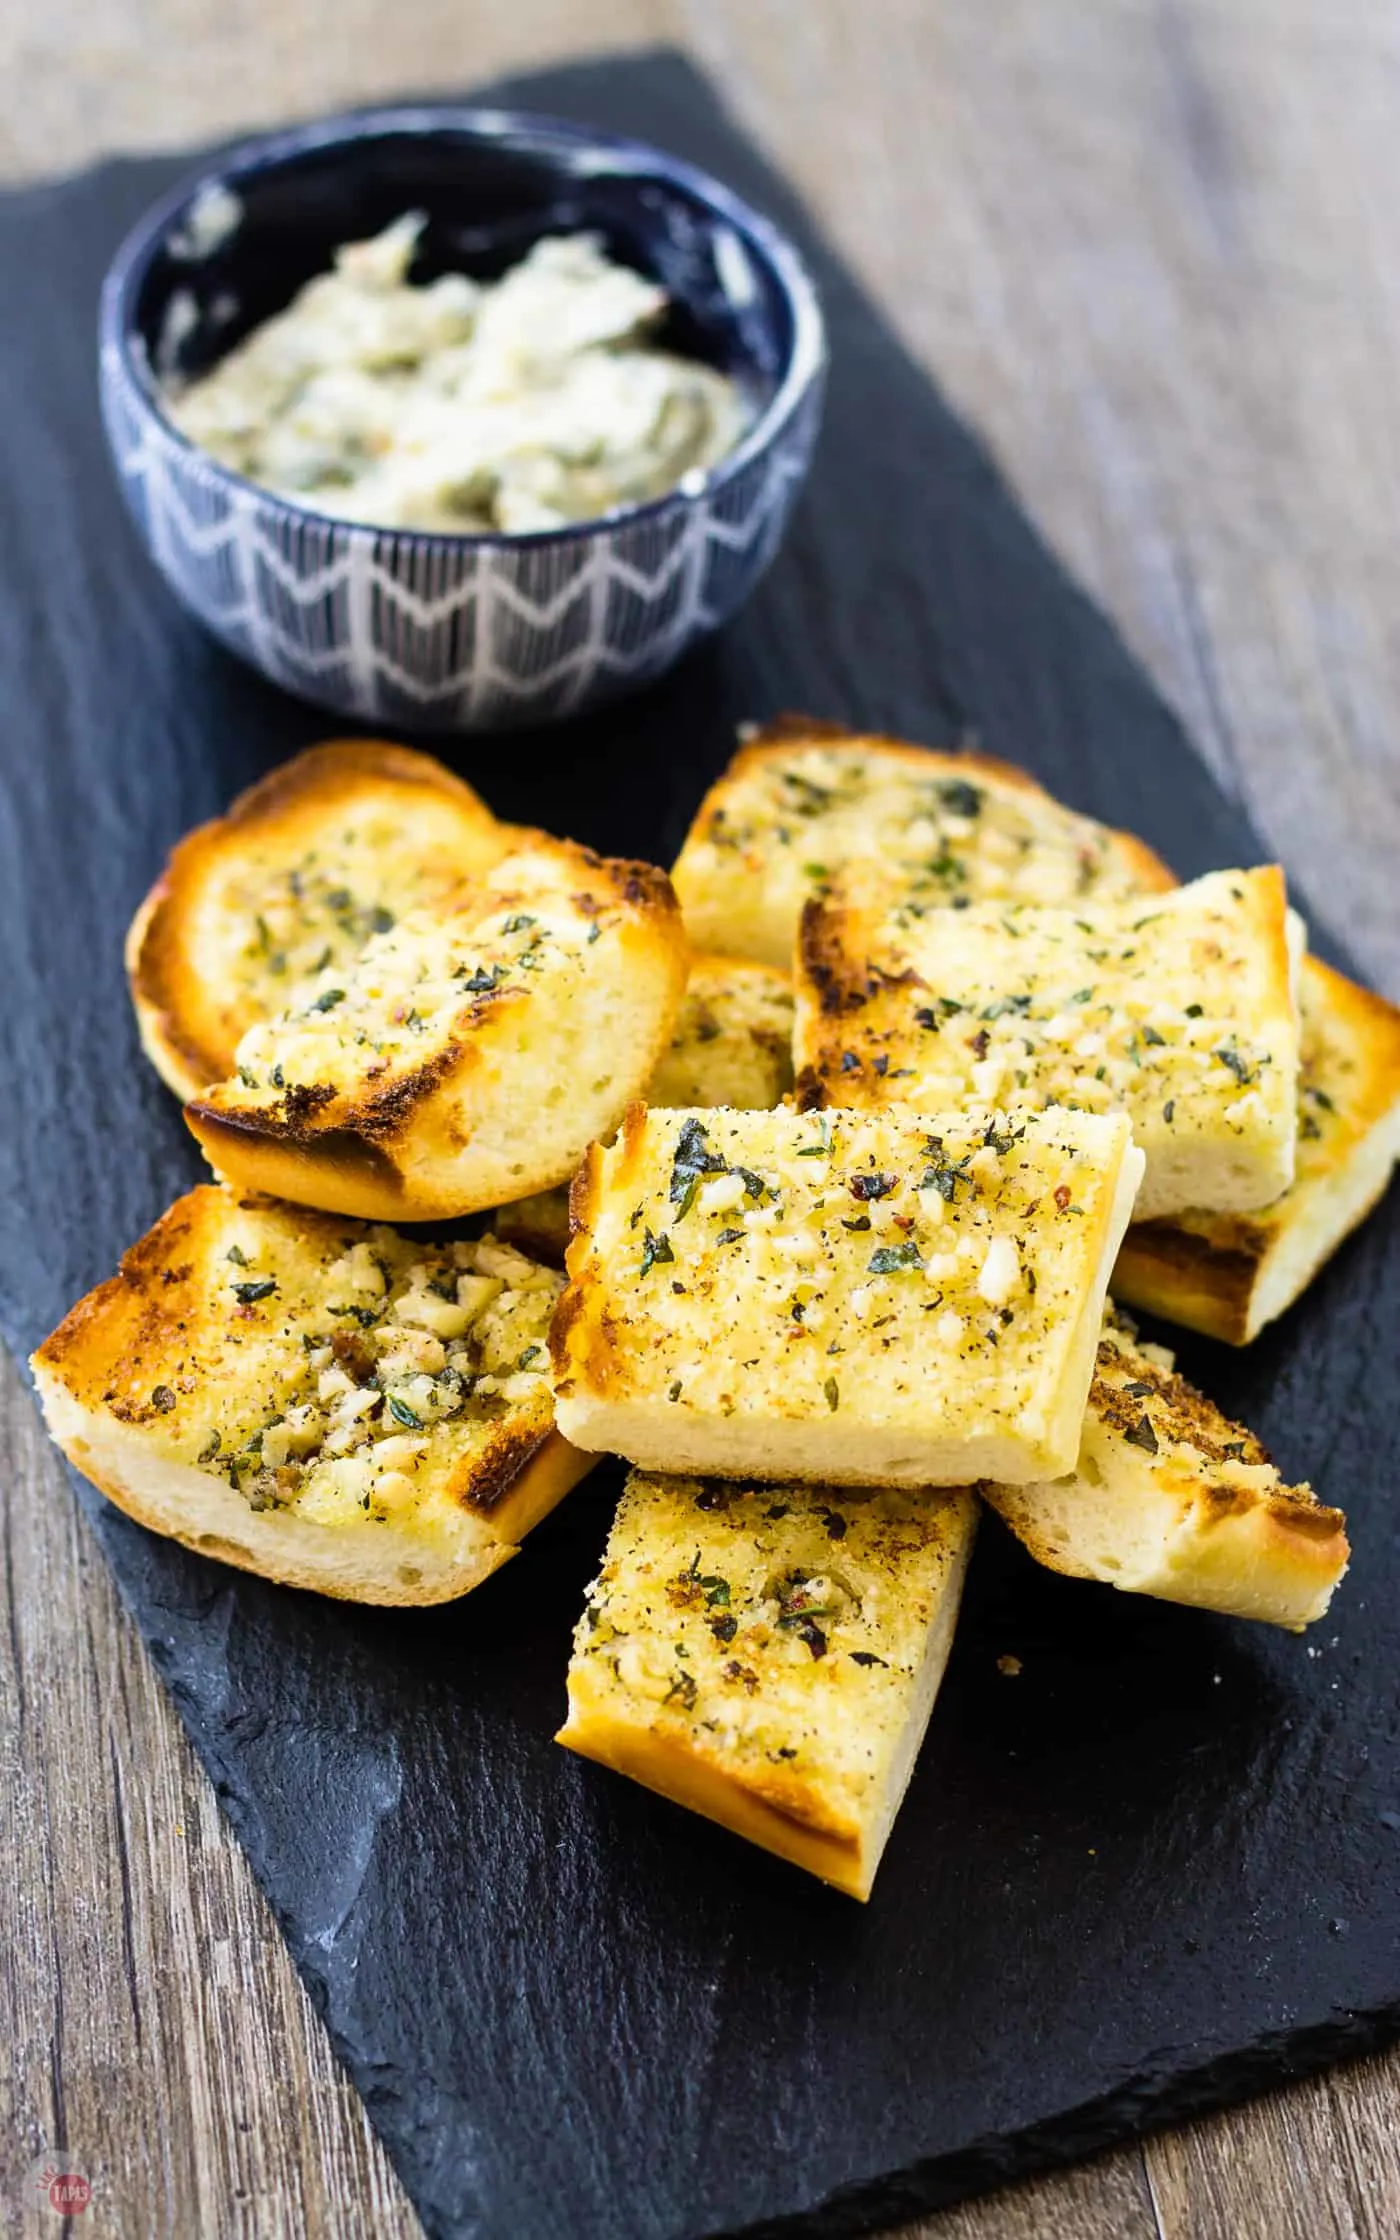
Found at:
[807, 358]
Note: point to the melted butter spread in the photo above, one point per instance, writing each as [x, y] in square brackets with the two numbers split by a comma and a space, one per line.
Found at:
[522, 404]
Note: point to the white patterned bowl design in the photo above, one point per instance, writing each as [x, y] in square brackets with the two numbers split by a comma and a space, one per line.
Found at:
[457, 633]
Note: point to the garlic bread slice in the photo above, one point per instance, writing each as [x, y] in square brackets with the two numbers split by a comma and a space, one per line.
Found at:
[324, 852]
[732, 1045]
[1229, 1274]
[841, 1299]
[462, 1058]
[331, 1406]
[1178, 1009]
[769, 1656]
[1169, 1498]
[802, 798]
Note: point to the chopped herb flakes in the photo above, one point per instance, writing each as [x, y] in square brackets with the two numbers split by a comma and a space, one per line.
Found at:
[655, 1250]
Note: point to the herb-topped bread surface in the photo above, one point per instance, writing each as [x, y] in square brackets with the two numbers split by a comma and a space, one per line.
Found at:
[1230, 1274]
[466, 1057]
[732, 1045]
[769, 1656]
[1178, 1009]
[842, 1298]
[1169, 1498]
[331, 1405]
[307, 865]
[801, 799]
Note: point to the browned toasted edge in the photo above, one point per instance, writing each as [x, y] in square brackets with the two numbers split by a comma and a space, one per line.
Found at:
[522, 1475]
[1306, 1531]
[317, 1140]
[583, 1340]
[154, 941]
[1205, 1276]
[832, 984]
[1193, 1419]
[780, 1822]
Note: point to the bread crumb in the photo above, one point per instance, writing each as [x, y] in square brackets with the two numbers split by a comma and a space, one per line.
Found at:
[1009, 1667]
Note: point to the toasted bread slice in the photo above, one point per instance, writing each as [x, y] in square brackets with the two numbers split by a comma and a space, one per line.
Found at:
[1230, 1274]
[1178, 1009]
[802, 798]
[732, 1045]
[461, 1059]
[1169, 1498]
[770, 1656]
[307, 864]
[851, 1299]
[331, 1406]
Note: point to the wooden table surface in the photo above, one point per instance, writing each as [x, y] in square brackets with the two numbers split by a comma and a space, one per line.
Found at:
[1150, 246]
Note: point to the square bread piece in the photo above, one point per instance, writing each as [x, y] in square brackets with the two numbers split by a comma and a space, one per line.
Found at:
[1230, 1274]
[802, 798]
[1178, 1009]
[732, 1045]
[846, 1299]
[462, 1058]
[325, 851]
[332, 1406]
[769, 1656]
[1169, 1498]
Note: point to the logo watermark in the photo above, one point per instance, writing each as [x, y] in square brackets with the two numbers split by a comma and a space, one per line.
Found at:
[58, 2183]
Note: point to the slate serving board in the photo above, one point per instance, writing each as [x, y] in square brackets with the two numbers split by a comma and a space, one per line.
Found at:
[1156, 1871]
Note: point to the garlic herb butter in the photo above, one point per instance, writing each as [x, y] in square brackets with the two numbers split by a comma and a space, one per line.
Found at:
[519, 404]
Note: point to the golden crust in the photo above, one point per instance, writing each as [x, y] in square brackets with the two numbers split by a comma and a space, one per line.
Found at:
[189, 1017]
[466, 1126]
[1171, 1499]
[140, 1370]
[769, 1656]
[1227, 1276]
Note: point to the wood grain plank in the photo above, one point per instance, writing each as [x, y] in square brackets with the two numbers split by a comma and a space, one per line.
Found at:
[1149, 248]
[151, 2024]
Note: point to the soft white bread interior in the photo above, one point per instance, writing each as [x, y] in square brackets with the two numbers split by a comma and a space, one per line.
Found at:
[332, 1406]
[1178, 1009]
[802, 798]
[465, 1058]
[769, 1656]
[1230, 1274]
[850, 1298]
[732, 1045]
[1169, 1498]
[330, 848]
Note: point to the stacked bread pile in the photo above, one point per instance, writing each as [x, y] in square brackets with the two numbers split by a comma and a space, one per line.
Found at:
[864, 1116]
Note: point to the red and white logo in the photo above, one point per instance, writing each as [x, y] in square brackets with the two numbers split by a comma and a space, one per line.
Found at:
[60, 2187]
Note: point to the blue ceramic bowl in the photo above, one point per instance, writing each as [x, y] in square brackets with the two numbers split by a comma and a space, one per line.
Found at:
[456, 633]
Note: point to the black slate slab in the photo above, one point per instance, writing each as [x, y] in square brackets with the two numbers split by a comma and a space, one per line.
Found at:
[1157, 1870]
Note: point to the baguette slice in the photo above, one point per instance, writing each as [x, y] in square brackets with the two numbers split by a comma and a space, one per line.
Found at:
[1169, 1498]
[732, 1045]
[770, 1657]
[461, 1059]
[1178, 1009]
[851, 1299]
[307, 864]
[802, 798]
[1229, 1274]
[330, 1406]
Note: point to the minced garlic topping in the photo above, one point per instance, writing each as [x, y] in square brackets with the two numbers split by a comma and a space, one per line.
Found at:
[358, 1379]
[778, 1630]
[854, 1263]
[520, 404]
